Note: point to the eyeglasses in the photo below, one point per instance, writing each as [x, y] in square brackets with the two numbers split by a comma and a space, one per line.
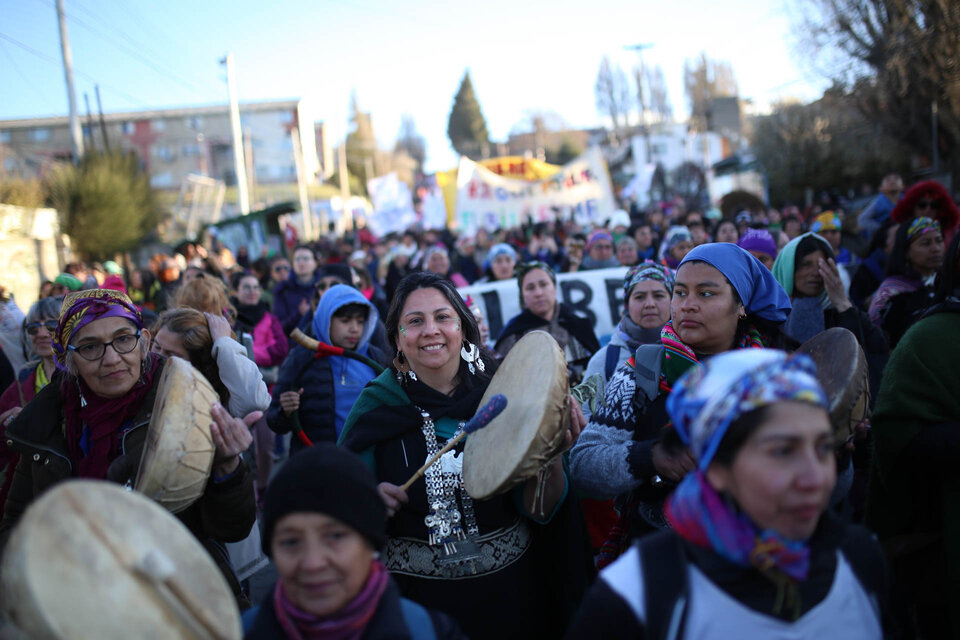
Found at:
[933, 205]
[34, 327]
[282, 267]
[95, 350]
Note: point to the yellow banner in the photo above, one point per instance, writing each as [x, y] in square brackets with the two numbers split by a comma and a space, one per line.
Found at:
[516, 167]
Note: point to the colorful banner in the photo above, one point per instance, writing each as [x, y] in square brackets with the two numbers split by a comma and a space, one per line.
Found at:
[392, 205]
[507, 166]
[596, 295]
[581, 190]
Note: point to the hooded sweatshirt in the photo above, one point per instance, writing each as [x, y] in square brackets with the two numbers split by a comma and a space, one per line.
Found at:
[349, 376]
[330, 384]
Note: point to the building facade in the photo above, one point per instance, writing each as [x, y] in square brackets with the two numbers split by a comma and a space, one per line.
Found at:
[173, 143]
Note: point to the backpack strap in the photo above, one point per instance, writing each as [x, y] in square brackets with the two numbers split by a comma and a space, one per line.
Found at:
[664, 584]
[646, 369]
[613, 359]
[418, 620]
[861, 550]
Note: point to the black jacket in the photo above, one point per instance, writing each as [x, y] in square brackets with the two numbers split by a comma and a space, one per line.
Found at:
[224, 513]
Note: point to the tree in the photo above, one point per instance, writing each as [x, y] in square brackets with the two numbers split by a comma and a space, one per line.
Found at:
[466, 127]
[105, 203]
[23, 193]
[361, 145]
[703, 80]
[612, 93]
[411, 142]
[659, 102]
[899, 60]
[827, 145]
[567, 151]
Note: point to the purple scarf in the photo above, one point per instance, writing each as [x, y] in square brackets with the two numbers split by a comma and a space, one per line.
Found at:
[889, 288]
[700, 516]
[347, 624]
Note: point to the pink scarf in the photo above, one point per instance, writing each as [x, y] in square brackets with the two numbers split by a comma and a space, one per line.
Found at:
[347, 624]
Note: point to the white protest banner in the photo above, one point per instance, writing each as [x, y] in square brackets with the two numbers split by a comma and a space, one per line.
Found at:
[581, 189]
[392, 205]
[596, 295]
[433, 209]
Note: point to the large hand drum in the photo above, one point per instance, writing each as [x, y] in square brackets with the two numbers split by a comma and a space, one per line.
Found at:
[90, 560]
[842, 372]
[531, 430]
[178, 454]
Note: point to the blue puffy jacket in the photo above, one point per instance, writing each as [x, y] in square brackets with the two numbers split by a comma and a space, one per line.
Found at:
[330, 384]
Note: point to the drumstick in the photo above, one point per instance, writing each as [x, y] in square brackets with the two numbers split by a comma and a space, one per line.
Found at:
[323, 349]
[484, 416]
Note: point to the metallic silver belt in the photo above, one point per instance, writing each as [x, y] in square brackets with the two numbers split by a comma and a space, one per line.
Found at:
[497, 550]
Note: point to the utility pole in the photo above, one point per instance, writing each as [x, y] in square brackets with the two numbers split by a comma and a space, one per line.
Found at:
[302, 185]
[76, 137]
[935, 135]
[639, 74]
[239, 166]
[103, 124]
[86, 99]
[344, 188]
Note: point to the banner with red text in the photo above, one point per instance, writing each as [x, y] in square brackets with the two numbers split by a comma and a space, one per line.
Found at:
[581, 190]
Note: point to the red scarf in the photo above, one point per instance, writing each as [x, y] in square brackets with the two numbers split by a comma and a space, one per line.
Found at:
[93, 430]
[346, 624]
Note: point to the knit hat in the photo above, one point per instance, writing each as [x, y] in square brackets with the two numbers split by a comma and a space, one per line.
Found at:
[826, 221]
[112, 268]
[758, 240]
[330, 480]
[68, 280]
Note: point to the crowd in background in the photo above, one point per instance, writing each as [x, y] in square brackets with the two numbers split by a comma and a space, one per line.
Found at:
[876, 272]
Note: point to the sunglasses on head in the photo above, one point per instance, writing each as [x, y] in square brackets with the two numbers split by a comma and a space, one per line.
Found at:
[34, 327]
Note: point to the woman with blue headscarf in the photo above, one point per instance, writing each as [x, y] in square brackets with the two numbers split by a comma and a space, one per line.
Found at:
[723, 299]
[752, 551]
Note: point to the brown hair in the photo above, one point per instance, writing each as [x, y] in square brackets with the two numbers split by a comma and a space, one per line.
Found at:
[207, 294]
[192, 327]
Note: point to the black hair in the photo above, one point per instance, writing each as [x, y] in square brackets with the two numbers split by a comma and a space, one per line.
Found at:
[898, 263]
[724, 221]
[352, 309]
[429, 280]
[237, 278]
[738, 433]
[808, 245]
[879, 238]
[302, 246]
[947, 277]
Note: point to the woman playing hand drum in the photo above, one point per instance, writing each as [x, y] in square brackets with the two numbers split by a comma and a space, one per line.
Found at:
[91, 421]
[436, 383]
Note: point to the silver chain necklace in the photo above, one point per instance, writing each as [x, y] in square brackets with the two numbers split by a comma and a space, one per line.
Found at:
[446, 525]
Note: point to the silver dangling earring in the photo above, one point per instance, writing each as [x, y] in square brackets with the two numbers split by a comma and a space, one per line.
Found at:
[471, 355]
[83, 401]
[403, 369]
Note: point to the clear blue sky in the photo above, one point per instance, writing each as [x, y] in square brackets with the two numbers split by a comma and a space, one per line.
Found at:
[398, 57]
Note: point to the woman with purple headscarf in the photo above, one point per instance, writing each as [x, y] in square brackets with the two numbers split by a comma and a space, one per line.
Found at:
[91, 421]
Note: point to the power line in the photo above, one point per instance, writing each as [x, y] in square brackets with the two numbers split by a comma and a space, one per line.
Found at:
[23, 76]
[167, 73]
[83, 75]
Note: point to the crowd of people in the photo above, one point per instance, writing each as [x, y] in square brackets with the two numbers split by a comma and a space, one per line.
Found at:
[702, 490]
